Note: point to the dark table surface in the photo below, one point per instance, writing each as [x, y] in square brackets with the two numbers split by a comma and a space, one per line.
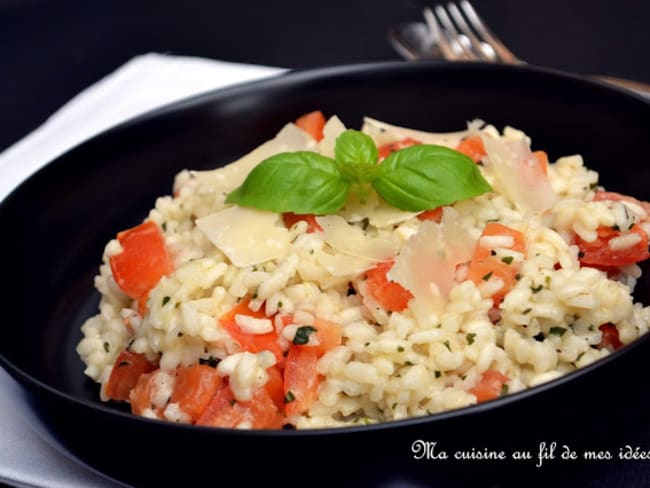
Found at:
[53, 50]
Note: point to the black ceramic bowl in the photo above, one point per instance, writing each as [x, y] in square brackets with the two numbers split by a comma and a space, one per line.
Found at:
[56, 224]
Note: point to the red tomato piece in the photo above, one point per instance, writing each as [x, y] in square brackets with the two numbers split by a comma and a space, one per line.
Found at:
[387, 149]
[312, 123]
[610, 338]
[598, 253]
[291, 218]
[490, 386]
[251, 342]
[128, 368]
[390, 295]
[194, 388]
[472, 147]
[143, 261]
[301, 379]
[435, 215]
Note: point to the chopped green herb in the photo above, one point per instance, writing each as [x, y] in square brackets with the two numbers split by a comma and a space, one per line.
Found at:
[107, 347]
[504, 389]
[437, 374]
[164, 226]
[547, 280]
[408, 363]
[580, 356]
[180, 334]
[400, 349]
[629, 227]
[507, 259]
[558, 331]
[280, 304]
[393, 406]
[487, 276]
[366, 344]
[211, 361]
[591, 327]
[289, 397]
[470, 338]
[616, 227]
[517, 276]
[302, 335]
[165, 300]
[536, 289]
[593, 186]
[527, 311]
[539, 337]
[446, 343]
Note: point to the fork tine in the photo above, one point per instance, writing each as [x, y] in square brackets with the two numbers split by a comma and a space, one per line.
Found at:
[439, 36]
[476, 45]
[501, 50]
[463, 51]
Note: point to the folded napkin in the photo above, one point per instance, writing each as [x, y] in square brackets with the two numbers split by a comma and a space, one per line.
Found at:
[27, 456]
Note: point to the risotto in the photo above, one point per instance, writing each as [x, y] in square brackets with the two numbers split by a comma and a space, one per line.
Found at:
[357, 288]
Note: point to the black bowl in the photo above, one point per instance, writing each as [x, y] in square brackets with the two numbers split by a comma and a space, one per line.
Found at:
[57, 222]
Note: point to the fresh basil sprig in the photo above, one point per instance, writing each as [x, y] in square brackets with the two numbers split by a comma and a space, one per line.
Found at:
[415, 178]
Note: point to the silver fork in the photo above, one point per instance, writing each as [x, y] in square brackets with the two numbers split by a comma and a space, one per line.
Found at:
[462, 35]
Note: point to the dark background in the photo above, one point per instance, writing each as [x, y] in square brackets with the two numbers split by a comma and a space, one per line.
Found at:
[51, 50]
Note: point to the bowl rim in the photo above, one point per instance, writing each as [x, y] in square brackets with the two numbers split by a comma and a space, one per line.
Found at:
[299, 77]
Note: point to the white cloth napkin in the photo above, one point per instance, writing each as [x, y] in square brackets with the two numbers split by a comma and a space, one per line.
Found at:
[27, 456]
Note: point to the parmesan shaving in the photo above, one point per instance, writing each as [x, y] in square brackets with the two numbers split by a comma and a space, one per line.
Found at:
[352, 241]
[247, 236]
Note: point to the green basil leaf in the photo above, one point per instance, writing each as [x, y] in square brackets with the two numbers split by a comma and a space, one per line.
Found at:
[355, 147]
[301, 182]
[427, 176]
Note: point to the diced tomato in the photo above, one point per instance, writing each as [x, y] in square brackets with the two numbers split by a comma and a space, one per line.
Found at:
[497, 229]
[194, 388]
[291, 218]
[143, 261]
[300, 379]
[387, 149]
[251, 342]
[274, 386]
[128, 368]
[610, 338]
[389, 294]
[473, 148]
[619, 197]
[142, 304]
[142, 393]
[225, 411]
[598, 253]
[484, 266]
[542, 159]
[482, 270]
[329, 334]
[312, 123]
[490, 386]
[435, 215]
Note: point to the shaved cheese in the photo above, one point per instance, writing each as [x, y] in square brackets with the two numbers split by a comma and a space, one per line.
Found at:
[427, 264]
[229, 177]
[384, 133]
[518, 174]
[344, 265]
[375, 209]
[247, 236]
[333, 128]
[352, 241]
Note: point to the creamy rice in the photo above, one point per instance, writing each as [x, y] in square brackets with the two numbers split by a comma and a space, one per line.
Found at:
[424, 359]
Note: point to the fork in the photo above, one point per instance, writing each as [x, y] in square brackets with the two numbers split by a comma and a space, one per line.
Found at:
[462, 35]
